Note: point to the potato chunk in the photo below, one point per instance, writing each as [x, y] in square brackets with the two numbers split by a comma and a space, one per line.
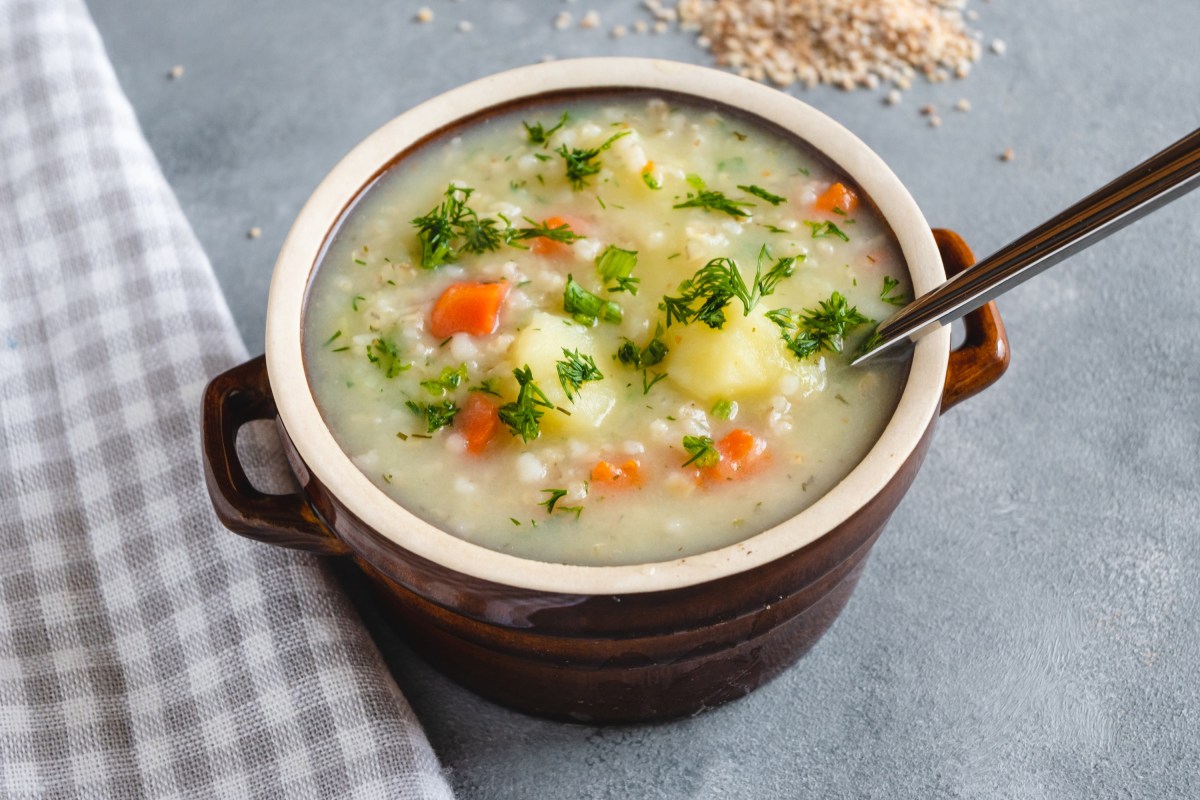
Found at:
[745, 357]
[540, 345]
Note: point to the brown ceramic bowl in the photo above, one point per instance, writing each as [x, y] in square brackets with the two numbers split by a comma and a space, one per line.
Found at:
[618, 643]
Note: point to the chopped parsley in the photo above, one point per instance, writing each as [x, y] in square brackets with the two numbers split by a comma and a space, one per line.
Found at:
[890, 283]
[581, 163]
[821, 230]
[524, 415]
[575, 371]
[762, 193]
[448, 381]
[586, 307]
[539, 135]
[703, 454]
[718, 282]
[437, 415]
[382, 353]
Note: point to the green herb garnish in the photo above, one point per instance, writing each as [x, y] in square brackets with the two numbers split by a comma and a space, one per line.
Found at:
[821, 230]
[382, 353]
[890, 283]
[648, 382]
[702, 451]
[437, 415]
[486, 386]
[333, 338]
[616, 265]
[581, 163]
[823, 328]
[480, 235]
[552, 501]
[718, 282]
[724, 409]
[575, 371]
[437, 230]
[760, 192]
[714, 201]
[541, 230]
[453, 226]
[654, 352]
[355, 301]
[586, 307]
[448, 381]
[539, 135]
[524, 415]
[650, 181]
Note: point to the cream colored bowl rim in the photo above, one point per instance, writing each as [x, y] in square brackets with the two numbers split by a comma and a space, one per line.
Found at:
[323, 456]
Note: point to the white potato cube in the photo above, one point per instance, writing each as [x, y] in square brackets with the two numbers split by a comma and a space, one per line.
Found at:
[746, 357]
[540, 345]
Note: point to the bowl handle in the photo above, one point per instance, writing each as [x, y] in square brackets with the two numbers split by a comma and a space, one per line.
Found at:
[983, 356]
[233, 398]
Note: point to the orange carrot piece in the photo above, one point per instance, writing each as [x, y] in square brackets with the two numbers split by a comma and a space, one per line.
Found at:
[605, 472]
[838, 196]
[471, 307]
[478, 422]
[741, 454]
[628, 474]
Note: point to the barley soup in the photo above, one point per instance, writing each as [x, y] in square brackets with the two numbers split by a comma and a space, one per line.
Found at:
[606, 332]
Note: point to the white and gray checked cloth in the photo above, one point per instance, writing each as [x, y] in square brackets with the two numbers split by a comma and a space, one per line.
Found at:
[144, 649]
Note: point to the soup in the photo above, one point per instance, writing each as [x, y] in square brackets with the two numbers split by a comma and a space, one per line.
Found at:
[609, 331]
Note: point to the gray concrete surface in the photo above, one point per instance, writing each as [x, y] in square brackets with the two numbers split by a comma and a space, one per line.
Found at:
[1028, 626]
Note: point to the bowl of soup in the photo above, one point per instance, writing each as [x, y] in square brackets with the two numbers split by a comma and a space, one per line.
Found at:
[561, 360]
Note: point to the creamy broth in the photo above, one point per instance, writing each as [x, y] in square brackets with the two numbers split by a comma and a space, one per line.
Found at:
[544, 364]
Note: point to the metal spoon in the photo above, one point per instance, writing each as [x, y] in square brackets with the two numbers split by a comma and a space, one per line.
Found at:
[1153, 183]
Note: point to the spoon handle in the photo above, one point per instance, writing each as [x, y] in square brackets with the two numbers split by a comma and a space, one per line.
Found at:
[1153, 183]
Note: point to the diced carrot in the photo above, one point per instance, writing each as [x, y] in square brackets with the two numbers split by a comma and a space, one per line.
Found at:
[604, 472]
[548, 248]
[478, 421]
[628, 474]
[649, 167]
[742, 453]
[471, 307]
[737, 446]
[838, 196]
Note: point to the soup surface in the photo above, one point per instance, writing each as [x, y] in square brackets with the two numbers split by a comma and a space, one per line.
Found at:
[605, 332]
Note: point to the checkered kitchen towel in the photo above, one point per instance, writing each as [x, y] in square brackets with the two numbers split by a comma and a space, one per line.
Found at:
[144, 649]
